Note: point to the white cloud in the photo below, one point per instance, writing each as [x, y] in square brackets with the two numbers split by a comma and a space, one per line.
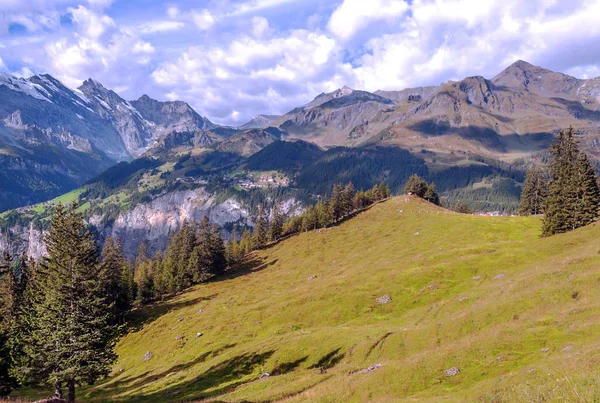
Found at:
[258, 5]
[253, 74]
[2, 65]
[89, 23]
[354, 15]
[260, 26]
[100, 3]
[203, 19]
[142, 47]
[160, 26]
[172, 12]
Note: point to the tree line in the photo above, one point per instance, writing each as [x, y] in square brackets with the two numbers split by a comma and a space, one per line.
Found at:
[566, 190]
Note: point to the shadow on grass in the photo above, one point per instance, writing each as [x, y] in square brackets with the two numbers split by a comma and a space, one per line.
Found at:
[329, 360]
[130, 384]
[217, 380]
[140, 317]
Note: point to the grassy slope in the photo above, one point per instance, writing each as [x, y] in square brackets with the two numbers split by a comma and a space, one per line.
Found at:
[273, 319]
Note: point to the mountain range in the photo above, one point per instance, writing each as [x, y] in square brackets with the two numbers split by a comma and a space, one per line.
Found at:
[141, 167]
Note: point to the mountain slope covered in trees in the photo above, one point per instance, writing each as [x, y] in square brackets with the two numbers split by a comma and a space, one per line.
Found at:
[309, 312]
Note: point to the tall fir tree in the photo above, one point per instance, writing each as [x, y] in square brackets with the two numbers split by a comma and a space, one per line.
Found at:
[71, 340]
[535, 191]
[572, 200]
[431, 195]
[260, 229]
[416, 186]
[276, 224]
[348, 194]
[337, 202]
[117, 279]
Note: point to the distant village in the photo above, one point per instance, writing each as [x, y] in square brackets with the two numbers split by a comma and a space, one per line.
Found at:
[252, 181]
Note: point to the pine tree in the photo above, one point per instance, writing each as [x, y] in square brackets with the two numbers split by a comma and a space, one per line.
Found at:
[337, 203]
[201, 261]
[533, 196]
[462, 208]
[348, 194]
[276, 224]
[143, 276]
[7, 287]
[431, 195]
[217, 252]
[246, 242]
[260, 229]
[572, 199]
[117, 279]
[416, 186]
[384, 190]
[588, 195]
[71, 339]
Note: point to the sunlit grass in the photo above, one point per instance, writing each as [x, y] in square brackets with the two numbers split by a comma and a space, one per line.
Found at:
[484, 294]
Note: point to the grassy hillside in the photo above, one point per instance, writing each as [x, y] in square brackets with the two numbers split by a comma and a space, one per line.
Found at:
[483, 294]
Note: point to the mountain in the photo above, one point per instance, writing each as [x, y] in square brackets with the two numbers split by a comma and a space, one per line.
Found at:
[174, 116]
[260, 122]
[308, 311]
[53, 139]
[515, 114]
[250, 141]
[331, 118]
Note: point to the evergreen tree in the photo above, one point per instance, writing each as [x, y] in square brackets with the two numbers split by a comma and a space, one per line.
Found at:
[71, 340]
[117, 279]
[348, 194]
[260, 229]
[416, 186]
[7, 383]
[431, 195]
[572, 199]
[384, 191]
[201, 262]
[276, 225]
[337, 203]
[217, 251]
[462, 208]
[534, 193]
[143, 276]
[246, 242]
[588, 195]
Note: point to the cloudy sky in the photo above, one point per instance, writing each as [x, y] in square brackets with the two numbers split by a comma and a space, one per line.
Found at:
[233, 59]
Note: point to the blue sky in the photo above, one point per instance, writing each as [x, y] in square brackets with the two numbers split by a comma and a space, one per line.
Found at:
[234, 59]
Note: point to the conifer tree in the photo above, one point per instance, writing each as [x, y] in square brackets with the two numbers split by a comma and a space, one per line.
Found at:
[117, 279]
[588, 195]
[246, 242]
[431, 195]
[201, 261]
[462, 208]
[337, 203]
[260, 229]
[7, 383]
[416, 186]
[572, 199]
[348, 194]
[143, 276]
[533, 196]
[71, 339]
[217, 251]
[384, 190]
[276, 224]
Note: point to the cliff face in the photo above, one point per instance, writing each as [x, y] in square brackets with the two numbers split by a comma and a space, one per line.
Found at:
[152, 222]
